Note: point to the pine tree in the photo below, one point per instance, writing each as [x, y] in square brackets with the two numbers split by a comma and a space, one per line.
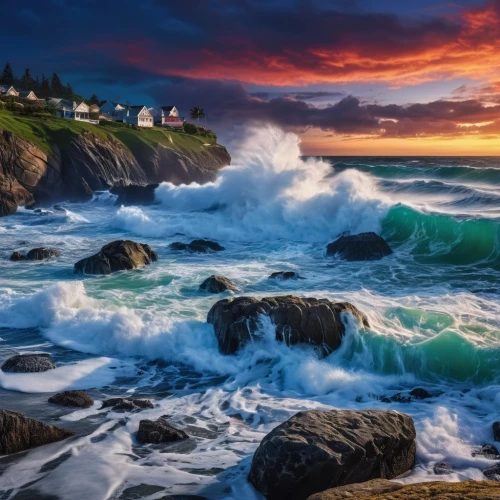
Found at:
[44, 88]
[27, 82]
[94, 99]
[7, 75]
[68, 91]
[56, 87]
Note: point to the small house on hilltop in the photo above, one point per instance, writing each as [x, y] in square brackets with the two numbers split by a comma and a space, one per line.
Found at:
[28, 94]
[72, 110]
[112, 110]
[8, 90]
[138, 115]
[168, 116]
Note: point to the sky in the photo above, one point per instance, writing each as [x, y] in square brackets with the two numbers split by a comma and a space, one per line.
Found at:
[350, 77]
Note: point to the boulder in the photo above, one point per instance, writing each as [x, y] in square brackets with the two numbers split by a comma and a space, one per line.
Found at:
[319, 449]
[118, 255]
[285, 275]
[442, 469]
[311, 321]
[159, 431]
[496, 431]
[436, 490]
[493, 473]
[488, 451]
[135, 195]
[420, 393]
[42, 253]
[363, 246]
[18, 433]
[198, 246]
[72, 398]
[218, 284]
[28, 363]
[17, 256]
[128, 404]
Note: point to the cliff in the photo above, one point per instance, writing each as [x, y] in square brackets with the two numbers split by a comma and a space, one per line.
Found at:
[45, 161]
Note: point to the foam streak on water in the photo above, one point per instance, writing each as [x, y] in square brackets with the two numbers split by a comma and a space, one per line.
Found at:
[433, 307]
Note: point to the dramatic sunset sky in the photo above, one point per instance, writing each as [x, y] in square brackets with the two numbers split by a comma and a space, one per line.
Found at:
[360, 77]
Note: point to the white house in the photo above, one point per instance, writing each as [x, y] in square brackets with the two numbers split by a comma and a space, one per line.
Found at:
[72, 110]
[168, 116]
[112, 110]
[28, 94]
[138, 115]
[8, 90]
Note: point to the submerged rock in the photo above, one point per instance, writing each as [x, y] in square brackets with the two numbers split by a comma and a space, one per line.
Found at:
[159, 431]
[315, 450]
[41, 253]
[199, 246]
[363, 246]
[496, 431]
[18, 433]
[311, 321]
[128, 404]
[420, 393]
[17, 256]
[488, 451]
[116, 256]
[72, 398]
[285, 275]
[493, 474]
[218, 284]
[135, 195]
[442, 469]
[28, 363]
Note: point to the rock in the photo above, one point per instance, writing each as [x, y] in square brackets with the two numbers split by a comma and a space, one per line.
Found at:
[18, 433]
[17, 256]
[199, 246]
[312, 321]
[489, 451]
[442, 468]
[317, 449]
[128, 404]
[59, 208]
[135, 195]
[158, 431]
[28, 363]
[420, 393]
[42, 253]
[436, 490]
[12, 194]
[218, 284]
[493, 473]
[72, 398]
[358, 490]
[118, 255]
[397, 398]
[496, 431]
[285, 275]
[364, 246]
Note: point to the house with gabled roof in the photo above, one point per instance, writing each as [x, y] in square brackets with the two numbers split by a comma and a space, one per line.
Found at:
[138, 115]
[8, 90]
[72, 110]
[112, 110]
[168, 116]
[28, 94]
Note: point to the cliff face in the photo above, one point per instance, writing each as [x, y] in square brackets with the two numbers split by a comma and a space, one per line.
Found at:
[89, 163]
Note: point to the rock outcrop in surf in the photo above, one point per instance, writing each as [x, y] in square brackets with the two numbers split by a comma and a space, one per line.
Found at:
[218, 284]
[159, 431]
[28, 363]
[77, 399]
[120, 255]
[315, 450]
[41, 253]
[197, 246]
[363, 246]
[312, 321]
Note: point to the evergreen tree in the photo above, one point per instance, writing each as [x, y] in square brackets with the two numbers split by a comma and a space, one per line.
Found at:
[94, 99]
[44, 88]
[68, 91]
[27, 82]
[7, 75]
[37, 83]
[57, 89]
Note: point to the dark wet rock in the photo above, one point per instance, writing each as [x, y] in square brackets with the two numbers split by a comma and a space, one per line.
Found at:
[128, 404]
[59, 208]
[319, 449]
[435, 490]
[18, 433]
[318, 322]
[218, 284]
[116, 256]
[363, 246]
[358, 490]
[140, 491]
[420, 393]
[396, 398]
[17, 256]
[159, 431]
[72, 398]
[442, 468]
[496, 431]
[198, 246]
[135, 195]
[42, 253]
[28, 363]
[493, 473]
[488, 451]
[12, 194]
[285, 275]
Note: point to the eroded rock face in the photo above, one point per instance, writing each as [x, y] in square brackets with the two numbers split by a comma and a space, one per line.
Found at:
[285, 275]
[18, 433]
[127, 404]
[218, 284]
[316, 450]
[198, 246]
[312, 321]
[28, 363]
[363, 246]
[118, 255]
[159, 431]
[72, 398]
[12, 194]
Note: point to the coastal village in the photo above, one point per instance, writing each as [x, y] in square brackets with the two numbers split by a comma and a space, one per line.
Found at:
[139, 115]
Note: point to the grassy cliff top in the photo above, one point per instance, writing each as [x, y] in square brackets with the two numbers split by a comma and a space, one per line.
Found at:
[48, 132]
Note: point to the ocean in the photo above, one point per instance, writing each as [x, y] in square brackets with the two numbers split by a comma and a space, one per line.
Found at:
[433, 307]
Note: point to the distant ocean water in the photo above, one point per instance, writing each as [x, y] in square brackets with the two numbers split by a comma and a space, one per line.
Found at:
[433, 306]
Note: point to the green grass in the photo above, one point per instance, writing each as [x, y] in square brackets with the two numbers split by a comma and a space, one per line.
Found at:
[49, 132]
